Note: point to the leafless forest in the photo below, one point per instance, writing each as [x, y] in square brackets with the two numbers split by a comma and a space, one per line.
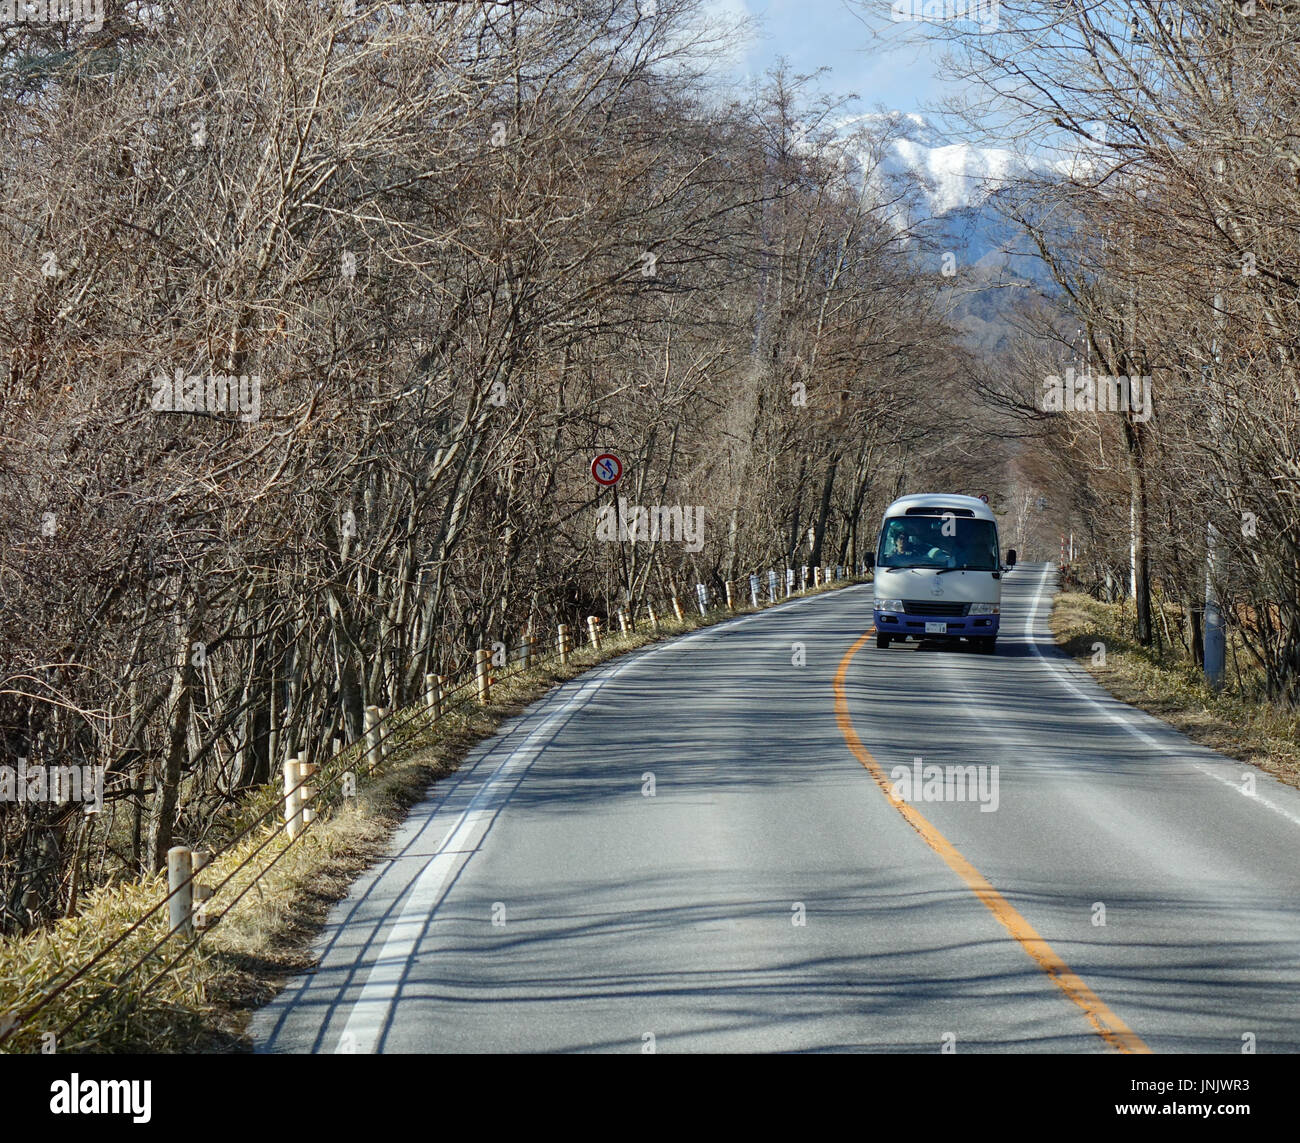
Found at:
[1175, 238]
[415, 265]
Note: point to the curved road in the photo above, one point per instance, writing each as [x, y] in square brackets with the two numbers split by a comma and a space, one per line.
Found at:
[707, 846]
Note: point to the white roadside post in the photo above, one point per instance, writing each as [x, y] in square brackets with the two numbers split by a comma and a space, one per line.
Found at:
[180, 904]
[348, 789]
[201, 858]
[372, 738]
[292, 799]
[306, 792]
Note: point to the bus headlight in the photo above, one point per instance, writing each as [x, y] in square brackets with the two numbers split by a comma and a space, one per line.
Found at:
[983, 609]
[889, 605]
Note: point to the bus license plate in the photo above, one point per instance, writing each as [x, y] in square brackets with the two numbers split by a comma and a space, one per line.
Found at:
[936, 629]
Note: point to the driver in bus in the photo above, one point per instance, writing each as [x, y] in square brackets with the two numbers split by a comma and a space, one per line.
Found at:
[904, 544]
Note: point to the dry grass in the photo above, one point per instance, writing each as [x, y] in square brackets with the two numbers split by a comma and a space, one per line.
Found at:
[276, 903]
[1172, 688]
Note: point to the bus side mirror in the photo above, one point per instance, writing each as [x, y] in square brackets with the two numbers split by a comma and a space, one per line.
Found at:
[1011, 557]
[869, 560]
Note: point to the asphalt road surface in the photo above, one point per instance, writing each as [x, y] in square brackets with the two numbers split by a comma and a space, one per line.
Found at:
[713, 845]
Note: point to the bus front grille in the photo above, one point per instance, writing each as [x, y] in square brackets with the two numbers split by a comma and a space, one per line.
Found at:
[933, 607]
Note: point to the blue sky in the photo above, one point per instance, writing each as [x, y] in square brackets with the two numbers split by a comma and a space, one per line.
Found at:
[894, 69]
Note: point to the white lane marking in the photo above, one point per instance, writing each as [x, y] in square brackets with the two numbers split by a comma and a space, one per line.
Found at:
[370, 1012]
[1124, 718]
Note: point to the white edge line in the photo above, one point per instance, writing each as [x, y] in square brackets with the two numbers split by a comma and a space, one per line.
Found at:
[371, 1009]
[1124, 719]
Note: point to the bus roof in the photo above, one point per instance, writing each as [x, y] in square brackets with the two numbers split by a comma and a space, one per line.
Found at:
[935, 503]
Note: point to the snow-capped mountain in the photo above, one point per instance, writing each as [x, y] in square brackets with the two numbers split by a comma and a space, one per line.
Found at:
[940, 191]
[950, 175]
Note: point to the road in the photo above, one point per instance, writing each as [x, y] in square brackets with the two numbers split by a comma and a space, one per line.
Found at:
[768, 894]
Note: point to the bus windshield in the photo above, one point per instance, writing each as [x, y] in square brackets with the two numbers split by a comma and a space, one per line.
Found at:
[954, 542]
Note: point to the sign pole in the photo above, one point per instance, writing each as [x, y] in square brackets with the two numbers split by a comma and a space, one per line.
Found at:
[622, 551]
[606, 469]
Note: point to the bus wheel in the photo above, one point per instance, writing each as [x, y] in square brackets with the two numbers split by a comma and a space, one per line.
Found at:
[882, 641]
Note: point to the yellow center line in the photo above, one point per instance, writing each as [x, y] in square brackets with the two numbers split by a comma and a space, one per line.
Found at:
[1108, 1026]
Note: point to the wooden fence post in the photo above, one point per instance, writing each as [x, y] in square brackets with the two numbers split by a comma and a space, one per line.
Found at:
[654, 619]
[731, 603]
[677, 606]
[593, 630]
[482, 662]
[565, 645]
